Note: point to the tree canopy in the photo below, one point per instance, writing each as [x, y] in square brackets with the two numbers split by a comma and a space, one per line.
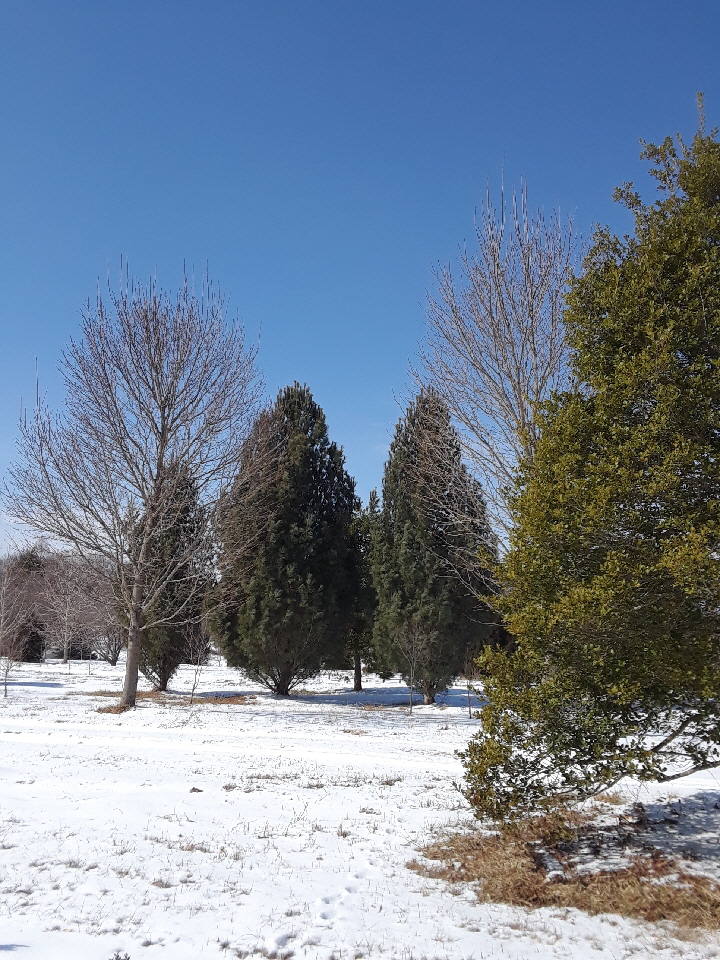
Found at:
[427, 616]
[611, 581]
[286, 601]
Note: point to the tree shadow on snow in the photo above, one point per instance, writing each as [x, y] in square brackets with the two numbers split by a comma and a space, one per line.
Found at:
[687, 827]
[30, 683]
[378, 696]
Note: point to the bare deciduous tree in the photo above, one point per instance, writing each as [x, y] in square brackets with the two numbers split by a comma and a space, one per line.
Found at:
[453, 497]
[18, 605]
[495, 347]
[69, 607]
[156, 381]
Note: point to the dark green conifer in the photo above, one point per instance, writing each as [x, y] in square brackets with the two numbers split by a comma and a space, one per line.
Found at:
[428, 614]
[285, 528]
[359, 648]
[175, 631]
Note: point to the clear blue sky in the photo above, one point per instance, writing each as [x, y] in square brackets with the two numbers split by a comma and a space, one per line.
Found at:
[321, 155]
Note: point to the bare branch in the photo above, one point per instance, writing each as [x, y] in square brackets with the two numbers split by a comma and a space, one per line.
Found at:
[495, 347]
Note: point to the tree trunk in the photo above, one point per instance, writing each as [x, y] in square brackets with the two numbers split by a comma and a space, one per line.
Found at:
[358, 674]
[132, 663]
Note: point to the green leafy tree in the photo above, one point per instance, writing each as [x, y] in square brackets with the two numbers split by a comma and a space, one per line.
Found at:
[612, 583]
[286, 601]
[427, 615]
[176, 632]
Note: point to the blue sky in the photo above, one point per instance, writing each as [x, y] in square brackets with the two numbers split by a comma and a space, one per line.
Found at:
[321, 156]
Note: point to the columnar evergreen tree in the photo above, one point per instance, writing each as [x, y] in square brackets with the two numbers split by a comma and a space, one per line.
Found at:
[359, 647]
[427, 616]
[176, 617]
[285, 603]
[612, 585]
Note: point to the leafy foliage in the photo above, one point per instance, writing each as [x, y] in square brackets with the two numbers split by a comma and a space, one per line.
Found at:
[612, 586]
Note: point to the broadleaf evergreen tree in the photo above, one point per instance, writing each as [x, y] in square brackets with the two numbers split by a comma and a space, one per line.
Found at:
[612, 580]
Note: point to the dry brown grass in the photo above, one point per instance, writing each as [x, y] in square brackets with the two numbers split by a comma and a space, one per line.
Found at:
[505, 868]
[140, 695]
[114, 708]
[216, 698]
[168, 698]
[119, 707]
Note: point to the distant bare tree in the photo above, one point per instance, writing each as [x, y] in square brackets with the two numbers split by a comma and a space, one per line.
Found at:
[453, 497]
[12, 613]
[197, 653]
[155, 381]
[69, 605]
[18, 608]
[108, 641]
[495, 347]
[107, 637]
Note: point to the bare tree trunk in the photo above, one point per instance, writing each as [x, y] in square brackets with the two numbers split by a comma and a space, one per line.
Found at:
[132, 664]
[135, 632]
[358, 674]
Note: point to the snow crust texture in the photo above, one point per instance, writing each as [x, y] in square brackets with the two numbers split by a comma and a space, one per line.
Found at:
[252, 826]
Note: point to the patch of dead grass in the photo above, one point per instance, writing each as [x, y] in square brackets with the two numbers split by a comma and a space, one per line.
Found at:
[114, 708]
[168, 698]
[140, 695]
[215, 698]
[506, 868]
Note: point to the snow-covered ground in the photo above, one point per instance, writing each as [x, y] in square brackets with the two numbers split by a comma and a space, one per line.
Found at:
[262, 827]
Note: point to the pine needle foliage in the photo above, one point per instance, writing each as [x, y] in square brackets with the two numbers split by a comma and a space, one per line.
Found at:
[612, 586]
[428, 617]
[285, 603]
[175, 631]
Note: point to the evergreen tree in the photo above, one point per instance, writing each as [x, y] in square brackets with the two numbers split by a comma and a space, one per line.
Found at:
[285, 603]
[612, 586]
[359, 647]
[428, 617]
[174, 631]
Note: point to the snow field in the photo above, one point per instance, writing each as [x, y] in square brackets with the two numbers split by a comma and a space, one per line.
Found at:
[259, 828]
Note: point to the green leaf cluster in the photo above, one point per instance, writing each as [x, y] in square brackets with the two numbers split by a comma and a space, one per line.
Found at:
[612, 585]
